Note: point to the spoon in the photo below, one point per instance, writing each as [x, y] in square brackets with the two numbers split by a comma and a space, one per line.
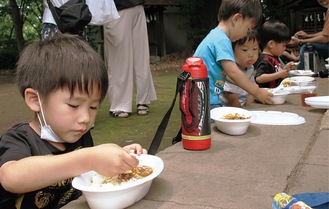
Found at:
[132, 153]
[280, 87]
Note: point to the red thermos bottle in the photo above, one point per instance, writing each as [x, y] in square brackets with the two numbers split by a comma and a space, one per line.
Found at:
[195, 106]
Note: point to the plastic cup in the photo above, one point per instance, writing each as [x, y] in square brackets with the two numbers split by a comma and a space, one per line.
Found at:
[307, 90]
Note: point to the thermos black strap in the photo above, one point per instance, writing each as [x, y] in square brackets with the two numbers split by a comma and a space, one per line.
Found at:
[181, 79]
[178, 137]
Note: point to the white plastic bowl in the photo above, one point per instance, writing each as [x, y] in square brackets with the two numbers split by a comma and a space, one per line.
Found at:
[120, 196]
[279, 97]
[231, 127]
[301, 80]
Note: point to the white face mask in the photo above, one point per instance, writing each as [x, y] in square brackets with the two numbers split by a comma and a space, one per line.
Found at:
[326, 6]
[46, 132]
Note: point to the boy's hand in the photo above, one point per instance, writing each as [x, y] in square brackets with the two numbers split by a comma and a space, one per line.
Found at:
[289, 66]
[136, 148]
[111, 159]
[264, 96]
[285, 72]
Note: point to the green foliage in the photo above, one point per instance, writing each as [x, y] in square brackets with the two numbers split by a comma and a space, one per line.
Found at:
[202, 17]
[94, 36]
[30, 14]
[191, 10]
[8, 46]
[6, 24]
[273, 10]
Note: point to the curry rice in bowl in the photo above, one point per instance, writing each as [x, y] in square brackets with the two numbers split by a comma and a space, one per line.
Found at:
[103, 193]
[231, 120]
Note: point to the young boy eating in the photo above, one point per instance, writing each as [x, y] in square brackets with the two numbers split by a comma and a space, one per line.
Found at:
[63, 81]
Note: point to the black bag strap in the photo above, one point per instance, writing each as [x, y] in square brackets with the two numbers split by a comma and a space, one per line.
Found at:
[181, 79]
[54, 13]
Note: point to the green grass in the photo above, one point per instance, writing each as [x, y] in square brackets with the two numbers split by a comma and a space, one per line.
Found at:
[137, 129]
[141, 129]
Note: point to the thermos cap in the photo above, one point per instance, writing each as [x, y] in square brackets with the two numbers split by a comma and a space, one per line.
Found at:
[195, 66]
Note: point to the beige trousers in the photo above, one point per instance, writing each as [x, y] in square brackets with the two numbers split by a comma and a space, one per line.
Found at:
[127, 57]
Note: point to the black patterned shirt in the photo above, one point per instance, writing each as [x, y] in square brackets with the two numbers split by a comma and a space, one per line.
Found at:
[22, 141]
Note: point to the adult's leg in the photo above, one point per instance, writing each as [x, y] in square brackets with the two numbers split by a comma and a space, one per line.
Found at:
[119, 60]
[322, 49]
[145, 91]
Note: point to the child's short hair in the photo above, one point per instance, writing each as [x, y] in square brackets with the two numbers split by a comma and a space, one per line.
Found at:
[274, 30]
[63, 61]
[248, 8]
[252, 35]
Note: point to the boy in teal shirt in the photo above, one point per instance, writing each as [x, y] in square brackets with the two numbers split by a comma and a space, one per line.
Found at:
[236, 18]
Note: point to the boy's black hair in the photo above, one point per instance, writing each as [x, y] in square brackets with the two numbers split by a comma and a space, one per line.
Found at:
[248, 8]
[63, 61]
[252, 35]
[273, 30]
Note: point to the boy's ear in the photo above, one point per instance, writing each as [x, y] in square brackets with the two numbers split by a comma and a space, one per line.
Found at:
[271, 44]
[236, 17]
[31, 99]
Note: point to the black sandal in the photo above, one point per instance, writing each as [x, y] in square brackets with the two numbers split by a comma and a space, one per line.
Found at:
[142, 109]
[119, 114]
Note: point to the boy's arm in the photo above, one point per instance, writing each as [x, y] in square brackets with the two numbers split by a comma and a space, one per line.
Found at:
[232, 99]
[268, 77]
[36, 172]
[240, 79]
[265, 78]
[229, 80]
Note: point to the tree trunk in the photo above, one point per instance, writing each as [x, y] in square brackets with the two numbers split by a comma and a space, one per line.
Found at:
[18, 25]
